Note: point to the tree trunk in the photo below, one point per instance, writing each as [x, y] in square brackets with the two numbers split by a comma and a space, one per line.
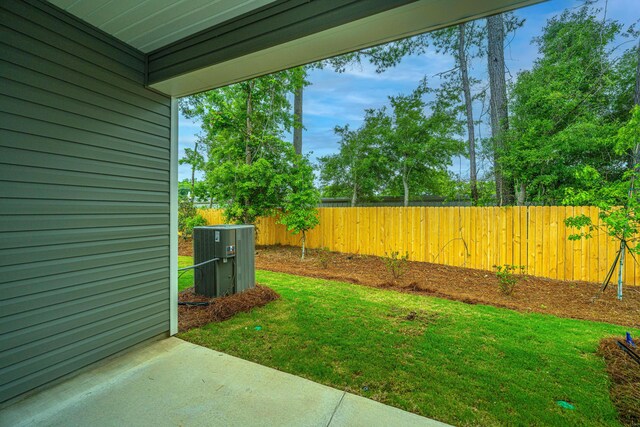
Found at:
[499, 119]
[405, 185]
[354, 196]
[303, 241]
[193, 172]
[248, 156]
[464, 72]
[636, 95]
[193, 183]
[522, 195]
[297, 113]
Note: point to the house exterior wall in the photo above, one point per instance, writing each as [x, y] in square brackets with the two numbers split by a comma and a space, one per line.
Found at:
[84, 197]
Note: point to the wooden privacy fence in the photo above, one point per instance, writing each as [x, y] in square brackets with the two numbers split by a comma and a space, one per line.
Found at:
[474, 237]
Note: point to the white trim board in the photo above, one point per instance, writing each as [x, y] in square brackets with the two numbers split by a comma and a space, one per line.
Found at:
[173, 221]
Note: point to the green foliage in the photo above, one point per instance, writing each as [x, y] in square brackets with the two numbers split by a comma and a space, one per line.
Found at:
[184, 187]
[248, 164]
[618, 201]
[418, 148]
[506, 275]
[188, 218]
[356, 169]
[248, 191]
[300, 205]
[325, 257]
[190, 223]
[459, 189]
[395, 151]
[396, 264]
[562, 119]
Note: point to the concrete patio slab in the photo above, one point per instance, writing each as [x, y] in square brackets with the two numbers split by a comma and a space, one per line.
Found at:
[176, 383]
[357, 411]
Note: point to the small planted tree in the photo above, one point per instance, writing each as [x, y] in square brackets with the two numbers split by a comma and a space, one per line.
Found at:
[300, 205]
[396, 264]
[618, 201]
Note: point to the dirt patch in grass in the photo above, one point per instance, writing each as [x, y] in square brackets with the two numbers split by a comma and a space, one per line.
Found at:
[531, 294]
[625, 381]
[219, 309]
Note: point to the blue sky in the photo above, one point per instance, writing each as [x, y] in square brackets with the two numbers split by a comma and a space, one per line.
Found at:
[339, 99]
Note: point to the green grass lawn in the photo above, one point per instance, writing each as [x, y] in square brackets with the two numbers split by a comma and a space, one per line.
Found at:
[461, 364]
[186, 277]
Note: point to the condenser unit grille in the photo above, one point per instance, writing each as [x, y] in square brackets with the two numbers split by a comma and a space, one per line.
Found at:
[233, 248]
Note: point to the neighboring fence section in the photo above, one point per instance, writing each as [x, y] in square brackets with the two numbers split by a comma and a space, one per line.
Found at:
[462, 236]
[432, 201]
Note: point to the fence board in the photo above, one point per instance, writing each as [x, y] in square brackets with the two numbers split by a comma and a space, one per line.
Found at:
[475, 237]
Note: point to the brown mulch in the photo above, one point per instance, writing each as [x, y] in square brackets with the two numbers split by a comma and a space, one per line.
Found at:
[578, 300]
[220, 309]
[624, 374]
[185, 247]
[532, 294]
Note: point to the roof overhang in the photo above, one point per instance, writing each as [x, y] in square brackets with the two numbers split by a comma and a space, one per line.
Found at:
[266, 36]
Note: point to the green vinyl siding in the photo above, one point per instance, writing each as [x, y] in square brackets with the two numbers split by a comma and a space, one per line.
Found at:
[84, 197]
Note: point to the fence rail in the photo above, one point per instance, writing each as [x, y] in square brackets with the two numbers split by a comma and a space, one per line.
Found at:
[474, 237]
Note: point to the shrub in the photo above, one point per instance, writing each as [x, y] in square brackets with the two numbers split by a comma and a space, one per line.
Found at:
[188, 218]
[195, 221]
[506, 275]
[396, 264]
[324, 257]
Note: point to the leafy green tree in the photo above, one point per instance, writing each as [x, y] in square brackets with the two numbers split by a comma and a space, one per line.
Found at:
[561, 109]
[358, 169]
[464, 42]
[396, 150]
[246, 191]
[194, 158]
[248, 162]
[300, 205]
[618, 201]
[417, 149]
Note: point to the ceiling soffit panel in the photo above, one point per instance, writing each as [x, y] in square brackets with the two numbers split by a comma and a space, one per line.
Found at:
[196, 45]
[150, 24]
[176, 71]
[275, 24]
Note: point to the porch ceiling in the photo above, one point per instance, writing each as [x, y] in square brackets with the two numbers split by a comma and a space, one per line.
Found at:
[196, 45]
[151, 24]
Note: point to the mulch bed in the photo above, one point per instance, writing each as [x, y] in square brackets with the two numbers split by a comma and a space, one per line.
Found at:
[624, 374]
[532, 294]
[220, 309]
[185, 247]
[578, 300]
